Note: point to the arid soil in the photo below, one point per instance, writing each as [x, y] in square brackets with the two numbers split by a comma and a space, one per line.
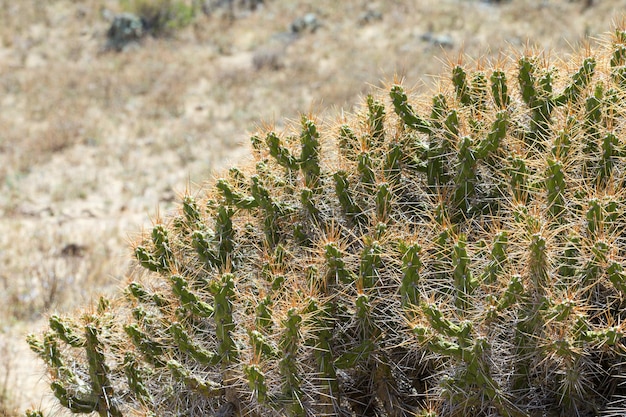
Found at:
[97, 144]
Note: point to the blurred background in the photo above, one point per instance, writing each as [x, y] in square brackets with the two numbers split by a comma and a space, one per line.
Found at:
[110, 110]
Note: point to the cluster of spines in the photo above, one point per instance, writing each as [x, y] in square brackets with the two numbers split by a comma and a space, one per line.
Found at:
[481, 238]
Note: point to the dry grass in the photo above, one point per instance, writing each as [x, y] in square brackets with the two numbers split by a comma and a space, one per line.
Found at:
[92, 142]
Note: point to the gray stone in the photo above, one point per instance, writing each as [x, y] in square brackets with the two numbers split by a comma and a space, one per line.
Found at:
[125, 29]
[444, 41]
[307, 23]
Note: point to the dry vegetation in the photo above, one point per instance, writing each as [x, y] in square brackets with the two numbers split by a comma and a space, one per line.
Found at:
[92, 142]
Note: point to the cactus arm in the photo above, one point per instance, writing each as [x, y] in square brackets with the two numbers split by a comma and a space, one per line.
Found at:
[580, 80]
[411, 265]
[461, 87]
[280, 153]
[204, 387]
[189, 300]
[223, 293]
[499, 89]
[405, 111]
[99, 373]
[310, 154]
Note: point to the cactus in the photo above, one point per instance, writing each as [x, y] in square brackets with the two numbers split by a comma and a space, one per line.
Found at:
[455, 256]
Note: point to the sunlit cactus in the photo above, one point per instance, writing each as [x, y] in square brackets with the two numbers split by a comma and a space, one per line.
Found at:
[458, 255]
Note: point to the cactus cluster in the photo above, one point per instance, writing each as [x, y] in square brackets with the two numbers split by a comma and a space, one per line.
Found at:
[458, 257]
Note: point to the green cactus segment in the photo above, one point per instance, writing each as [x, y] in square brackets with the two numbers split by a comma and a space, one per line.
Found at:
[69, 382]
[263, 318]
[346, 199]
[204, 387]
[536, 92]
[99, 373]
[159, 259]
[592, 126]
[191, 212]
[273, 210]
[538, 260]
[186, 344]
[527, 81]
[224, 235]
[490, 145]
[354, 356]
[66, 332]
[594, 217]
[234, 197]
[439, 111]
[261, 347]
[223, 292]
[580, 80]
[499, 89]
[141, 294]
[135, 377]
[440, 145]
[376, 120]
[348, 141]
[366, 171]
[392, 169]
[306, 198]
[310, 155]
[610, 154]
[162, 253]
[519, 175]
[405, 111]
[383, 202]
[619, 49]
[411, 265]
[476, 377]
[464, 281]
[465, 178]
[150, 349]
[188, 300]
[147, 260]
[461, 87]
[570, 259]
[479, 91]
[203, 245]
[618, 59]
[617, 276]
[512, 294]
[364, 316]
[555, 187]
[74, 402]
[444, 326]
[321, 341]
[370, 264]
[280, 153]
[48, 350]
[288, 364]
[609, 336]
[337, 271]
[595, 265]
[256, 382]
[497, 259]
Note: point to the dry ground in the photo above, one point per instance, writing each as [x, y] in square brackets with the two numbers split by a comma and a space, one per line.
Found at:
[95, 144]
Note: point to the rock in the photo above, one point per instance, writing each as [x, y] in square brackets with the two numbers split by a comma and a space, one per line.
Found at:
[307, 23]
[125, 29]
[445, 41]
[370, 16]
[230, 7]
